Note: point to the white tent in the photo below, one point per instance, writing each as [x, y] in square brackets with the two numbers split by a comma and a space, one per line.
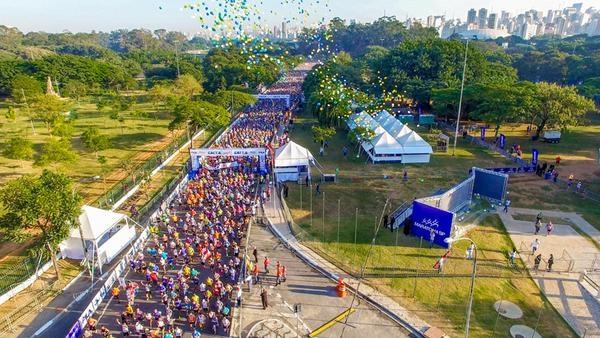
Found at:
[100, 236]
[384, 147]
[416, 149]
[292, 161]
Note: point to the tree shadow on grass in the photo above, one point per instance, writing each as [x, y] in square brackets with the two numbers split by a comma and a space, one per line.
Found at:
[127, 141]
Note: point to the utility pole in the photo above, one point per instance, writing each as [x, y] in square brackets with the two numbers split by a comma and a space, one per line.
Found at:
[462, 87]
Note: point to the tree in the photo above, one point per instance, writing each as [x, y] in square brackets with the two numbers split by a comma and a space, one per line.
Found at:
[322, 134]
[10, 114]
[18, 148]
[559, 107]
[48, 205]
[497, 104]
[95, 141]
[74, 89]
[103, 168]
[187, 86]
[50, 109]
[159, 94]
[25, 88]
[232, 100]
[198, 115]
[57, 151]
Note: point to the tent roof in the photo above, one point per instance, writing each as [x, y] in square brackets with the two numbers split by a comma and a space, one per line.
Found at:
[385, 143]
[292, 154]
[95, 222]
[415, 144]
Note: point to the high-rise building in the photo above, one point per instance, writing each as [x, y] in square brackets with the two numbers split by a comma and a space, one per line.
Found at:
[561, 26]
[283, 30]
[482, 17]
[528, 30]
[492, 21]
[550, 16]
[430, 21]
[471, 16]
[578, 6]
[504, 17]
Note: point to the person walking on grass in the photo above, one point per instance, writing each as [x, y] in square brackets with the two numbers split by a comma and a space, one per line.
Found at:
[318, 189]
[470, 251]
[512, 257]
[431, 238]
[345, 152]
[535, 245]
[506, 205]
[549, 228]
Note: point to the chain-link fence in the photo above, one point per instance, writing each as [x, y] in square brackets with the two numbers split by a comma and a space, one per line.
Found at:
[16, 269]
[404, 267]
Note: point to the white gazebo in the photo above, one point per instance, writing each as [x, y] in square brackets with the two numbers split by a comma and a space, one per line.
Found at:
[100, 236]
[292, 161]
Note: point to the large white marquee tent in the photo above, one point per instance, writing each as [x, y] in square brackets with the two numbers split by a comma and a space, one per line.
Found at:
[100, 236]
[292, 161]
[393, 140]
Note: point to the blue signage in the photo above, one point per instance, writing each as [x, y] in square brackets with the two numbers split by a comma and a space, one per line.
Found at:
[483, 133]
[502, 141]
[535, 154]
[427, 219]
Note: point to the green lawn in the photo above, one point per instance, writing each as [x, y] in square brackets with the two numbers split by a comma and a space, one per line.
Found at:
[397, 261]
[141, 132]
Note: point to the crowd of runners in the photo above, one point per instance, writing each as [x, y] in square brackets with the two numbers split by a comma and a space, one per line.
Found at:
[187, 279]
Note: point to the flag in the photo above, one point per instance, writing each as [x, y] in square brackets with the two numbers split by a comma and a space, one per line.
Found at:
[436, 266]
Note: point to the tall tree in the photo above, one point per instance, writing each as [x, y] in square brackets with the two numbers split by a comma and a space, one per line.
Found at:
[187, 86]
[48, 205]
[25, 88]
[559, 107]
[50, 109]
[57, 151]
[95, 141]
[322, 134]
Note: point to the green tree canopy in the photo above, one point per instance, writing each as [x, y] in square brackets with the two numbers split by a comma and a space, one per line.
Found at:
[47, 206]
[199, 115]
[322, 134]
[25, 88]
[95, 141]
[18, 148]
[57, 151]
[50, 109]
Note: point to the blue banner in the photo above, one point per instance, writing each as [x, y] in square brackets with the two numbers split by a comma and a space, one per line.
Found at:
[502, 141]
[483, 133]
[427, 219]
[535, 154]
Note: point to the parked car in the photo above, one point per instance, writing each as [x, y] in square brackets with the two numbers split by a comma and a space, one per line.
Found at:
[551, 136]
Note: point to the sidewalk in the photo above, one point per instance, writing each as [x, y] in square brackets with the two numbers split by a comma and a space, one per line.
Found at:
[411, 322]
[579, 308]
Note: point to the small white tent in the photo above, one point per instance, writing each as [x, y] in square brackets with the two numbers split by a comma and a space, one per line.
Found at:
[100, 236]
[292, 161]
[416, 149]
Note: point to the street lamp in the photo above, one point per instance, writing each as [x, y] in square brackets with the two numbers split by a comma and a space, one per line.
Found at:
[454, 240]
[462, 87]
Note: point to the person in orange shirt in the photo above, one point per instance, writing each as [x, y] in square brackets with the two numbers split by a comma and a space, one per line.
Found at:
[266, 263]
[115, 293]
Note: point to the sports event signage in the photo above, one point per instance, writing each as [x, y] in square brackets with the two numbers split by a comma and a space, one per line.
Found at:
[196, 154]
[275, 97]
[534, 156]
[427, 219]
[502, 141]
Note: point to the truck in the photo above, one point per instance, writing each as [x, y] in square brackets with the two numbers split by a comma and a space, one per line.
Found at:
[551, 136]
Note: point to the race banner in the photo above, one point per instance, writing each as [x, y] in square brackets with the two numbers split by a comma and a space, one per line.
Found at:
[427, 218]
[535, 154]
[196, 154]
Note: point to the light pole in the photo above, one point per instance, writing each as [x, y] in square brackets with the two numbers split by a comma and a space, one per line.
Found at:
[472, 287]
[462, 88]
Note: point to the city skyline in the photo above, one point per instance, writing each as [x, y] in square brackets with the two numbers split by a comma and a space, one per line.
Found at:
[77, 16]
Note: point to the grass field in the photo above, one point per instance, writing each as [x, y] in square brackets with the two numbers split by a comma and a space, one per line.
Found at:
[398, 262]
[140, 135]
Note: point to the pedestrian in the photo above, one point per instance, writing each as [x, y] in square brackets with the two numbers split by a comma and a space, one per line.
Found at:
[570, 183]
[470, 251]
[549, 227]
[255, 273]
[255, 254]
[506, 205]
[321, 151]
[555, 176]
[550, 262]
[557, 160]
[405, 177]
[238, 296]
[278, 275]
[286, 190]
[441, 264]
[536, 262]
[345, 152]
[385, 220]
[115, 293]
[535, 245]
[263, 298]
[283, 273]
[92, 324]
[306, 180]
[431, 238]
[538, 226]
[266, 263]
[579, 186]
[512, 257]
[318, 189]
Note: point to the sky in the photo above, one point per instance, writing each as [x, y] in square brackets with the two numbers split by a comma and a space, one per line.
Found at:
[107, 15]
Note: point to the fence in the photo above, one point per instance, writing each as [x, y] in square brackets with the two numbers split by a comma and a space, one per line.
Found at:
[118, 190]
[18, 272]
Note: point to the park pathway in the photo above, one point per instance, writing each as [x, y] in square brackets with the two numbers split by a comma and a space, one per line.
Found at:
[401, 315]
[572, 253]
